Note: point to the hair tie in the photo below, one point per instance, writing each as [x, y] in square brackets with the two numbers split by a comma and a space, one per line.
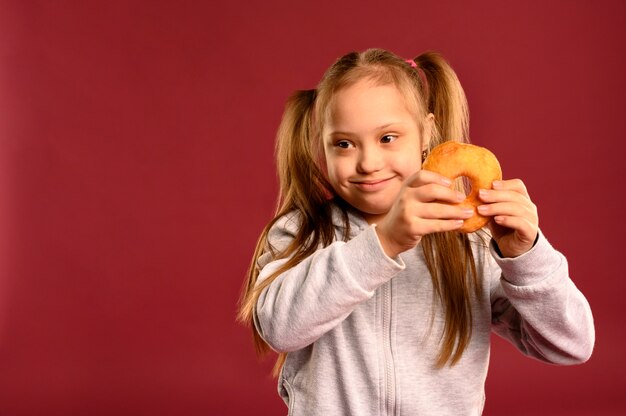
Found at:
[422, 75]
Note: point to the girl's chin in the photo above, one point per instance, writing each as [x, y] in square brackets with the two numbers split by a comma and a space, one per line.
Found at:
[373, 217]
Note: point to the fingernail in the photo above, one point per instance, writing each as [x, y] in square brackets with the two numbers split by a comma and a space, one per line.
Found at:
[468, 212]
[446, 181]
[460, 196]
[496, 184]
[483, 192]
[482, 209]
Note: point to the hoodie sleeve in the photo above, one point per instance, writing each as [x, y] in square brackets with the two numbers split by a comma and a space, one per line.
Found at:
[311, 298]
[537, 307]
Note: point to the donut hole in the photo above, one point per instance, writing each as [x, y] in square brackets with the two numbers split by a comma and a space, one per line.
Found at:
[466, 184]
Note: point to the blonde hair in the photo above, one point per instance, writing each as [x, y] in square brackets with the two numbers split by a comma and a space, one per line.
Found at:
[430, 87]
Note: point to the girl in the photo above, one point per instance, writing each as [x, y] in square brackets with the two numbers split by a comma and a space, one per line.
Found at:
[375, 304]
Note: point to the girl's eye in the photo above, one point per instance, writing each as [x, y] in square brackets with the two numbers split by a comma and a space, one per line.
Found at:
[343, 144]
[388, 138]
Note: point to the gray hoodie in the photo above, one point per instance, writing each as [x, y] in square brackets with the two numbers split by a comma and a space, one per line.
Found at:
[362, 330]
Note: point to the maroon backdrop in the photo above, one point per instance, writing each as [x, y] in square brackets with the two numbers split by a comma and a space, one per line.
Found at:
[136, 172]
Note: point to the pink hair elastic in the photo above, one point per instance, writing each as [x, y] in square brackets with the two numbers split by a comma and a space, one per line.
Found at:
[421, 74]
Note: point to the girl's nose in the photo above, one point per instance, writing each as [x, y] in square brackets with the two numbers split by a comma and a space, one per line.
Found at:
[370, 160]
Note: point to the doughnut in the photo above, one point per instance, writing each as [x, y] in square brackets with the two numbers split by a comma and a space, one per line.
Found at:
[479, 165]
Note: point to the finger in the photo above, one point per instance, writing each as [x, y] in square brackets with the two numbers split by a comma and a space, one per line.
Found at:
[509, 209]
[526, 230]
[516, 185]
[423, 177]
[435, 192]
[490, 196]
[442, 211]
[422, 227]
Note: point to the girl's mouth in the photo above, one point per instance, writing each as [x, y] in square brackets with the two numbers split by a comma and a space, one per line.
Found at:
[371, 185]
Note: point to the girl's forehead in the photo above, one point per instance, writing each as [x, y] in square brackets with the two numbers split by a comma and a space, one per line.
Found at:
[365, 107]
[365, 98]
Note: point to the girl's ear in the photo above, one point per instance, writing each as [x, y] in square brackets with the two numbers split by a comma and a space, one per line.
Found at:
[429, 122]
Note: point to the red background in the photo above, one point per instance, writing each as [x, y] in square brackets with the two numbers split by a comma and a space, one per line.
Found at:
[136, 172]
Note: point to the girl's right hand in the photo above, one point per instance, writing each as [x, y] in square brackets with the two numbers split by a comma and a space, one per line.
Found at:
[420, 209]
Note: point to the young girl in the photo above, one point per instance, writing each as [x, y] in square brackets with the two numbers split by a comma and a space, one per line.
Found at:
[375, 304]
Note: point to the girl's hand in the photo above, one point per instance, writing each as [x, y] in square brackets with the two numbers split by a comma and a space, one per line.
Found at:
[420, 209]
[515, 221]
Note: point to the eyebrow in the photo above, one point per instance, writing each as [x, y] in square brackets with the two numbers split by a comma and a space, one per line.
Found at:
[376, 129]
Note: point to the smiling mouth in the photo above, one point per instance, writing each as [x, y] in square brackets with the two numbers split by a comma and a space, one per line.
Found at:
[371, 185]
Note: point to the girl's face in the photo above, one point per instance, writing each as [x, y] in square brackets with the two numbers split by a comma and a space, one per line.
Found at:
[372, 143]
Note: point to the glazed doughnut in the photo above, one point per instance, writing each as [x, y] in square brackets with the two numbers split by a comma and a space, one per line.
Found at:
[479, 165]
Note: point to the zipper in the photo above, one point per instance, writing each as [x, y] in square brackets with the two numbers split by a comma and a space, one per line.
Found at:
[390, 393]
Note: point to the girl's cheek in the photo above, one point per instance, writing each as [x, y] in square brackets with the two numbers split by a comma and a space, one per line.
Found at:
[412, 166]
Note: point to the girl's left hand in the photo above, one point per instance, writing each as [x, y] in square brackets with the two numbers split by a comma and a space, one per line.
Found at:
[515, 222]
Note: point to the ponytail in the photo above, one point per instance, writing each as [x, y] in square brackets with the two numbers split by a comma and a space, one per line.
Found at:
[295, 156]
[448, 255]
[304, 189]
[446, 98]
